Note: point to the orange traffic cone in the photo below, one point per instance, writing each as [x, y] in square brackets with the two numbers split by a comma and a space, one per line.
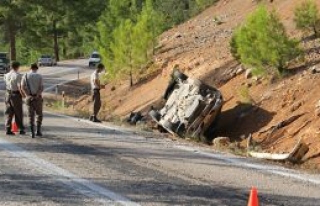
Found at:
[14, 127]
[253, 199]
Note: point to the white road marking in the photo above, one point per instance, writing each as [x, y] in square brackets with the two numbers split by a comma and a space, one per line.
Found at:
[236, 161]
[50, 88]
[121, 130]
[66, 70]
[62, 70]
[83, 186]
[240, 162]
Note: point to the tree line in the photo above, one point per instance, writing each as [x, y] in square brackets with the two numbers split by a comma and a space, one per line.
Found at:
[123, 31]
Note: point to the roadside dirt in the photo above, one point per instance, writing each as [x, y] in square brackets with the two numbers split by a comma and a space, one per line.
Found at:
[201, 48]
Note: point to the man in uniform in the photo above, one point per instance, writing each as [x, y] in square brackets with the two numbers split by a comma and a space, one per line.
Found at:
[96, 86]
[32, 88]
[13, 99]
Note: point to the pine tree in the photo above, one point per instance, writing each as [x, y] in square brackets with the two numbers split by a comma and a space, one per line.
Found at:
[262, 42]
[12, 20]
[307, 17]
[122, 49]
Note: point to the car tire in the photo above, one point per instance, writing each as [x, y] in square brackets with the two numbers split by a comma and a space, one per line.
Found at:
[179, 75]
[156, 116]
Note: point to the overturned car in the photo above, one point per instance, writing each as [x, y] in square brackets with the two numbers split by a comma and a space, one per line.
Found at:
[191, 109]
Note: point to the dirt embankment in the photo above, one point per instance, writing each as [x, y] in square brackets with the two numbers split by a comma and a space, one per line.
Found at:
[201, 48]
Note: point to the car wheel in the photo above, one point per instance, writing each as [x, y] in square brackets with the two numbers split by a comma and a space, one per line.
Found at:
[179, 75]
[156, 116]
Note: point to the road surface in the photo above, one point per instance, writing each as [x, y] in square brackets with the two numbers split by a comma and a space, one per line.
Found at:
[82, 163]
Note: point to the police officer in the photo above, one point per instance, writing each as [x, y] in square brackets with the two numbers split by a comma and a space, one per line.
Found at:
[96, 86]
[13, 99]
[32, 88]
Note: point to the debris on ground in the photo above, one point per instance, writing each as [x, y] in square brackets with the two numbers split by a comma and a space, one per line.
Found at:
[295, 156]
[314, 70]
[221, 141]
[134, 118]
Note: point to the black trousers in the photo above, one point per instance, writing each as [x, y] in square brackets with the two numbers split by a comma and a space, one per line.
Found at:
[96, 98]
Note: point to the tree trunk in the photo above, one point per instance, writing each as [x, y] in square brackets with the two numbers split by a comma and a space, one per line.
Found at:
[315, 31]
[55, 40]
[12, 42]
[131, 78]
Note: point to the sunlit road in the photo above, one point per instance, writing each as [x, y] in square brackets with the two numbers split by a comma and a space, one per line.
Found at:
[60, 74]
[81, 163]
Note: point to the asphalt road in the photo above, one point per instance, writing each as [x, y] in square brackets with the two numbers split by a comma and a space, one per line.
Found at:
[82, 163]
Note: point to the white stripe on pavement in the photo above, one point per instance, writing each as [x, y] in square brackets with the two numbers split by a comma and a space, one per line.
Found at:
[83, 186]
[62, 83]
[62, 70]
[103, 126]
[236, 161]
[240, 162]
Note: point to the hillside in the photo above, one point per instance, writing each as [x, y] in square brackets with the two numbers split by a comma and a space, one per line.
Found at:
[201, 48]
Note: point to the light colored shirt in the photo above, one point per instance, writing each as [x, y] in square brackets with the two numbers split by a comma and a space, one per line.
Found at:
[12, 80]
[35, 82]
[95, 76]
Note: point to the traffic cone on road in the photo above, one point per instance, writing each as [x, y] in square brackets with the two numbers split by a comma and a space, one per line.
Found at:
[14, 126]
[253, 199]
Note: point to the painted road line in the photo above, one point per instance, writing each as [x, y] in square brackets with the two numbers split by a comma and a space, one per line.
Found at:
[240, 162]
[99, 125]
[62, 70]
[83, 186]
[62, 83]
[67, 70]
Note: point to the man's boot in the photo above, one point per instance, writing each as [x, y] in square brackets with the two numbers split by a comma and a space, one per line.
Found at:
[39, 133]
[33, 135]
[9, 132]
[95, 119]
[22, 132]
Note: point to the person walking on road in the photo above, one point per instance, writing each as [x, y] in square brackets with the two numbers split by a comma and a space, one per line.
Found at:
[96, 86]
[32, 88]
[13, 99]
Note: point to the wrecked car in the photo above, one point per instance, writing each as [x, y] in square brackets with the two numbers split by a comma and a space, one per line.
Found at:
[191, 108]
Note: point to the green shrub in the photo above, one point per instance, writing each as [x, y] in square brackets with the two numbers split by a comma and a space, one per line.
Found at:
[262, 42]
[307, 17]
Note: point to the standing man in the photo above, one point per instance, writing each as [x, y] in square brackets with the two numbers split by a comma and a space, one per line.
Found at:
[32, 88]
[96, 86]
[13, 99]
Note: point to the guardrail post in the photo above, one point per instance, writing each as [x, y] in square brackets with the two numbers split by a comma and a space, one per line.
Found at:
[57, 91]
[63, 99]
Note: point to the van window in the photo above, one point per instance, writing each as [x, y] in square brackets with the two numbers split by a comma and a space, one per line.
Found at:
[96, 56]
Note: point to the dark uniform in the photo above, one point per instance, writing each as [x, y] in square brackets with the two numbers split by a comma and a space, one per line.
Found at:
[13, 99]
[32, 85]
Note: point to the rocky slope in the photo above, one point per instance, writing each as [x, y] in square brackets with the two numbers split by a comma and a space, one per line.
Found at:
[201, 48]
